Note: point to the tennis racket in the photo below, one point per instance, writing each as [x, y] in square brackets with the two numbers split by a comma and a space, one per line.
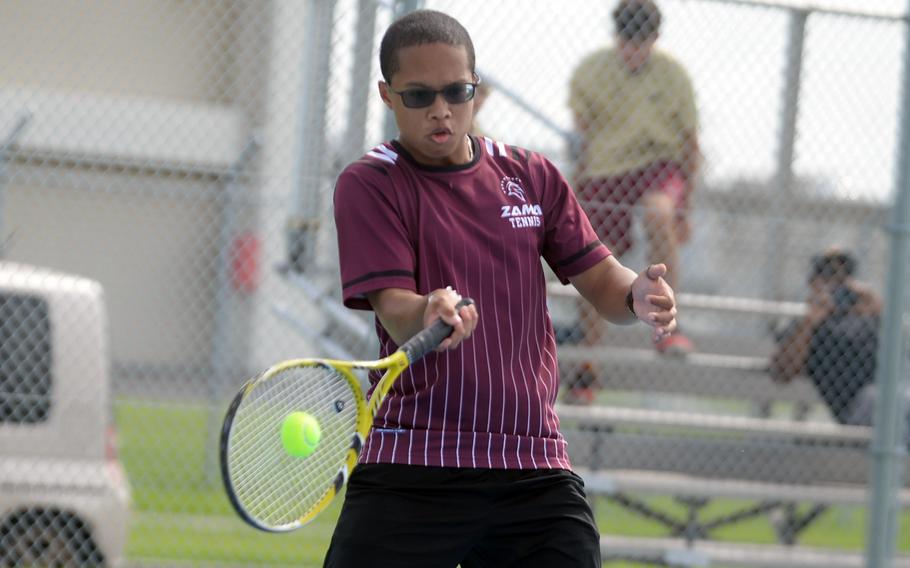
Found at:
[276, 491]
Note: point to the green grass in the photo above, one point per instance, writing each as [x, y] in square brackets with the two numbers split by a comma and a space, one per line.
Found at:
[225, 540]
[181, 514]
[180, 511]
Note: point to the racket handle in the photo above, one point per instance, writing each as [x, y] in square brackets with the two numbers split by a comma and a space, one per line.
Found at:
[430, 338]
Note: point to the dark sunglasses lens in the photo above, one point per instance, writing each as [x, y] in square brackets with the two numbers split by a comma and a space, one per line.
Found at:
[418, 98]
[457, 94]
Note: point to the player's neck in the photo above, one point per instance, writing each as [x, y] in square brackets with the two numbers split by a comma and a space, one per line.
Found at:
[462, 156]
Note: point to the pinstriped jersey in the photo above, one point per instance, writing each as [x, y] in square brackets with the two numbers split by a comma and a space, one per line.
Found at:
[481, 228]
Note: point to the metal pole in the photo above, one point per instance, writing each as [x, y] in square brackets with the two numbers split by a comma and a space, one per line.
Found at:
[860, 13]
[572, 139]
[888, 445]
[361, 90]
[524, 105]
[782, 198]
[306, 207]
[318, 50]
[5, 148]
[220, 361]
[399, 9]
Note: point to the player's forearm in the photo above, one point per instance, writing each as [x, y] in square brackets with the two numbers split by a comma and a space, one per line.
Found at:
[400, 311]
[606, 286]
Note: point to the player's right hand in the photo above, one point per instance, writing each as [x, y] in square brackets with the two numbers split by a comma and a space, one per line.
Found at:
[441, 305]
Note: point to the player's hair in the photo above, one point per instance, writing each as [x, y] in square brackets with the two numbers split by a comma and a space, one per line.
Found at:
[833, 264]
[418, 28]
[636, 20]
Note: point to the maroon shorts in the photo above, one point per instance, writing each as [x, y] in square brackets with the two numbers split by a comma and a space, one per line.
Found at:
[609, 202]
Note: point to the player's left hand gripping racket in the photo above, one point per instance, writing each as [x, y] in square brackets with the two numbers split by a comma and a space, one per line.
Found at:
[276, 490]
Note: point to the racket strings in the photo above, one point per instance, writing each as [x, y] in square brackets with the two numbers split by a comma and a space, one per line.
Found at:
[276, 461]
[273, 487]
[296, 489]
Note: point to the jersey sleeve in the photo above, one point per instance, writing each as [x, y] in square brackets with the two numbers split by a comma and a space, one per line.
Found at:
[570, 244]
[374, 248]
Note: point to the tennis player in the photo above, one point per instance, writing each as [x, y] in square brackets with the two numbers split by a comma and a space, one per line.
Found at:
[465, 463]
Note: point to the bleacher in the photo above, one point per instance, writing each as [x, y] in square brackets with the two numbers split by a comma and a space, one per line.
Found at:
[723, 436]
[712, 427]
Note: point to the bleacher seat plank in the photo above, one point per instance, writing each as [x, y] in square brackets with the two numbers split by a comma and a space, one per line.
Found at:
[715, 456]
[717, 446]
[678, 485]
[766, 427]
[699, 375]
[675, 552]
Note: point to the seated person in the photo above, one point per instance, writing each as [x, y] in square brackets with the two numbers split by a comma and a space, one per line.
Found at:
[836, 343]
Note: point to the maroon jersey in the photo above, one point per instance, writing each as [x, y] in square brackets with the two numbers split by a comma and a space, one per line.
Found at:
[481, 228]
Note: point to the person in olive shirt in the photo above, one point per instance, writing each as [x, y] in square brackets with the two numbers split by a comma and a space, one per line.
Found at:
[634, 109]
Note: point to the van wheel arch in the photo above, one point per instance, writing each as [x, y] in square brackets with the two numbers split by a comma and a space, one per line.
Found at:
[47, 537]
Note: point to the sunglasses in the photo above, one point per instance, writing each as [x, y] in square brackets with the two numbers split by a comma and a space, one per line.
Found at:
[421, 97]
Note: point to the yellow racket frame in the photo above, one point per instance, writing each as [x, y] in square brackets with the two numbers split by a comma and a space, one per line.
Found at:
[393, 365]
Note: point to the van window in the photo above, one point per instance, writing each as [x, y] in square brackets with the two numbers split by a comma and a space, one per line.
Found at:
[25, 359]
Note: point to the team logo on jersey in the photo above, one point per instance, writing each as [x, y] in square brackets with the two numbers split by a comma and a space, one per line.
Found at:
[519, 216]
[511, 187]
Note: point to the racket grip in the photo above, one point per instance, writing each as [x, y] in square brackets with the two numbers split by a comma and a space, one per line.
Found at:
[430, 338]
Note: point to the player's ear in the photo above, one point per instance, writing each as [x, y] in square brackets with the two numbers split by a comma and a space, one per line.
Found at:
[384, 93]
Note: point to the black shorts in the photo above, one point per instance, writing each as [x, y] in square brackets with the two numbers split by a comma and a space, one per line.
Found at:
[413, 516]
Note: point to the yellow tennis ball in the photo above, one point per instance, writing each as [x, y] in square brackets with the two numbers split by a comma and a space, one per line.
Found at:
[300, 434]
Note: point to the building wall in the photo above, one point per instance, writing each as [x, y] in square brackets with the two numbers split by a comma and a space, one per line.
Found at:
[137, 116]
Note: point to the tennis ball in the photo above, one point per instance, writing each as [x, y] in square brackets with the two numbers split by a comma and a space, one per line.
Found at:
[300, 434]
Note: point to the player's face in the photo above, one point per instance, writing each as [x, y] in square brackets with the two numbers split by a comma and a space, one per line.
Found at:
[434, 134]
[635, 53]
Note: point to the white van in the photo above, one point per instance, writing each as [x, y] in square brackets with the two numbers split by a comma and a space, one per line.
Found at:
[64, 498]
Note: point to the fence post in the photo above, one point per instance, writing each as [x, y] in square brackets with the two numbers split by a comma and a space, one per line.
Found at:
[782, 190]
[220, 356]
[399, 9]
[888, 443]
[361, 91]
[306, 205]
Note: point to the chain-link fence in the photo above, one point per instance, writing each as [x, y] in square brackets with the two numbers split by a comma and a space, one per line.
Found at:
[183, 155]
